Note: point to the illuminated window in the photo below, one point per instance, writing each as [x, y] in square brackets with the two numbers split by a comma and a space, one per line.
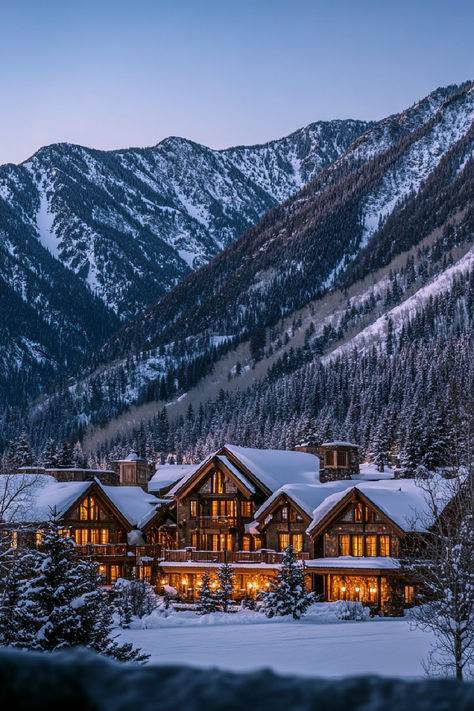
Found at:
[114, 573]
[193, 509]
[342, 459]
[357, 545]
[371, 545]
[15, 540]
[344, 545]
[358, 512]
[88, 510]
[384, 545]
[217, 483]
[298, 542]
[284, 539]
[409, 594]
[224, 508]
[329, 458]
[246, 509]
[257, 543]
[39, 537]
[94, 536]
[194, 539]
[104, 535]
[64, 532]
[284, 513]
[369, 514]
[246, 543]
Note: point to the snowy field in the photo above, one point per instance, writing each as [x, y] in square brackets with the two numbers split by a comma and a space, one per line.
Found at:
[309, 647]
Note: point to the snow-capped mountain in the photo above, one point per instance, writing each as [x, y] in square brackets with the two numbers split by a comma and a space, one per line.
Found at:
[405, 186]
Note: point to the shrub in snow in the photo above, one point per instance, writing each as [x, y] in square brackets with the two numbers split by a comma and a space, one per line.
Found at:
[59, 602]
[226, 586]
[287, 595]
[206, 601]
[133, 598]
[351, 610]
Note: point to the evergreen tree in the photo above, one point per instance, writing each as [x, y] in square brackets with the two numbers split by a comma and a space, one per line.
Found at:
[61, 603]
[288, 595]
[206, 601]
[226, 586]
[49, 455]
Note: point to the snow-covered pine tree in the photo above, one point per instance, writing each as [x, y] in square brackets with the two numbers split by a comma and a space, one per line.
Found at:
[21, 451]
[288, 595]
[62, 604]
[49, 455]
[226, 586]
[206, 601]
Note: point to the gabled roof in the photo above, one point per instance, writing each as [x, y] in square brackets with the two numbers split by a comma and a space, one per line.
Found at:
[307, 496]
[276, 467]
[169, 475]
[133, 503]
[268, 469]
[402, 501]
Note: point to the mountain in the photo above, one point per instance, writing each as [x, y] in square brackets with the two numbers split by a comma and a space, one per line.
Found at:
[90, 238]
[392, 213]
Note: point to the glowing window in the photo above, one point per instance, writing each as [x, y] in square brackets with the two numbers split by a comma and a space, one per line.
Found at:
[384, 545]
[246, 509]
[358, 512]
[357, 545]
[217, 483]
[193, 509]
[371, 545]
[344, 545]
[284, 539]
[298, 542]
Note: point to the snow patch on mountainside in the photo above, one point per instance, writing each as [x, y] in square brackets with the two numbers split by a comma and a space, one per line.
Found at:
[44, 221]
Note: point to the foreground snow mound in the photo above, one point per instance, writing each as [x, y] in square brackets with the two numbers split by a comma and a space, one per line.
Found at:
[79, 679]
[321, 612]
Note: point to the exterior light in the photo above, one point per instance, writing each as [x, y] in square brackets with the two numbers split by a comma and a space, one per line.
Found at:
[199, 584]
[343, 588]
[184, 581]
[101, 568]
[357, 589]
[163, 581]
[267, 585]
[249, 585]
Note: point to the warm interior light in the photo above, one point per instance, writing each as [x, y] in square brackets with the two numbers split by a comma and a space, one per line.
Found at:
[343, 589]
[102, 568]
[357, 589]
[163, 581]
[199, 584]
[214, 585]
[184, 581]
[267, 585]
[249, 585]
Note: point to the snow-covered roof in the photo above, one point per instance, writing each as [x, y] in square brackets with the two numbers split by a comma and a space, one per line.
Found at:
[401, 500]
[349, 561]
[169, 474]
[238, 474]
[307, 496]
[339, 443]
[369, 472]
[276, 467]
[134, 504]
[41, 495]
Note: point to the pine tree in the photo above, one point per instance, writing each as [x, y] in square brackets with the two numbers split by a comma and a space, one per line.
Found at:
[288, 595]
[62, 603]
[206, 601]
[49, 455]
[21, 451]
[226, 586]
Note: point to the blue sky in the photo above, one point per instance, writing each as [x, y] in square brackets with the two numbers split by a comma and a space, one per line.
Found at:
[113, 74]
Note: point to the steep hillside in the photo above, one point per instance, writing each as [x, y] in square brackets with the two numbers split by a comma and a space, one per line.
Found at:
[89, 238]
[412, 193]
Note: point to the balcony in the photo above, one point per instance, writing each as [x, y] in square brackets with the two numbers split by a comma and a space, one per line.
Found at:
[104, 550]
[190, 555]
[215, 522]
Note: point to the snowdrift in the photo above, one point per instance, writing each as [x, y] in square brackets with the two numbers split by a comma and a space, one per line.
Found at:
[80, 680]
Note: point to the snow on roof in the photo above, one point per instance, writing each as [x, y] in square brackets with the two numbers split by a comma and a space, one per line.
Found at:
[241, 477]
[276, 467]
[307, 496]
[340, 443]
[349, 561]
[193, 469]
[369, 472]
[41, 495]
[401, 500]
[132, 502]
[168, 474]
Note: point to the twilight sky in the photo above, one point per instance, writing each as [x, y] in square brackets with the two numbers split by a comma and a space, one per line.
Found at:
[115, 73]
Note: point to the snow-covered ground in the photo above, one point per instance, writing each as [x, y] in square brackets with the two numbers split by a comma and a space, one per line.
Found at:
[312, 646]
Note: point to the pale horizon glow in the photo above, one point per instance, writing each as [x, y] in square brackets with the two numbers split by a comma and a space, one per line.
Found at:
[116, 74]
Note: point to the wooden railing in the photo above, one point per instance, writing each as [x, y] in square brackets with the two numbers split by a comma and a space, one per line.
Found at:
[196, 556]
[216, 521]
[101, 550]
